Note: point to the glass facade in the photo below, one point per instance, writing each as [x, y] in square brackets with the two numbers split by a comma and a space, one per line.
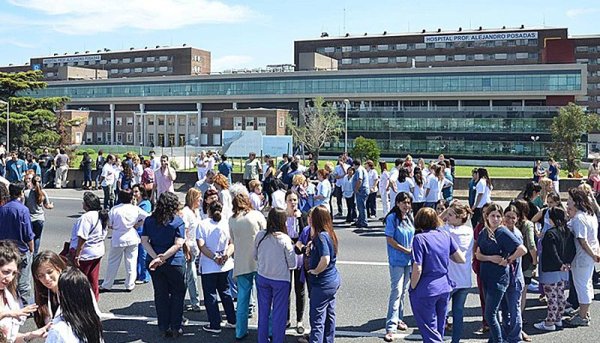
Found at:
[319, 84]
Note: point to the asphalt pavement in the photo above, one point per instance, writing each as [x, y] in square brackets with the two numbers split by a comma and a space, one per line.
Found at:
[361, 306]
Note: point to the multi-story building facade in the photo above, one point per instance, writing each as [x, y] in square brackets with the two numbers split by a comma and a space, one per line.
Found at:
[465, 112]
[182, 60]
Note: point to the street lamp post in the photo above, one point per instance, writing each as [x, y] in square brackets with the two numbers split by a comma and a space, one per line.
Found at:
[534, 139]
[347, 103]
[7, 124]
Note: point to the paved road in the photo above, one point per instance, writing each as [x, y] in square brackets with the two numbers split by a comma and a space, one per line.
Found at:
[362, 303]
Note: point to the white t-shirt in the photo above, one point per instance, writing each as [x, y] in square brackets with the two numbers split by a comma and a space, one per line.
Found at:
[210, 163]
[435, 191]
[10, 325]
[278, 199]
[202, 164]
[216, 239]
[419, 193]
[373, 179]
[384, 181]
[340, 170]
[256, 201]
[137, 174]
[323, 189]
[108, 173]
[482, 188]
[225, 199]
[89, 227]
[191, 219]
[122, 219]
[405, 186]
[584, 226]
[460, 273]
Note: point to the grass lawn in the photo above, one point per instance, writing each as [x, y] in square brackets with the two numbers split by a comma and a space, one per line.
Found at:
[461, 171]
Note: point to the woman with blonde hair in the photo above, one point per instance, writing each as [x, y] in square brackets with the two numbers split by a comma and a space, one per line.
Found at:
[191, 218]
[547, 188]
[222, 185]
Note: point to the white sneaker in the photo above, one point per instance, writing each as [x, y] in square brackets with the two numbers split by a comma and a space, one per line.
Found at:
[542, 326]
[227, 325]
[559, 324]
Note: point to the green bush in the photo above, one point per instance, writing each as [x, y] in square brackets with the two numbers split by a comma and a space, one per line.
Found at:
[366, 149]
[174, 164]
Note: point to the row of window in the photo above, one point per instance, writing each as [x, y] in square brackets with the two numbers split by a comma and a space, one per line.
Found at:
[141, 70]
[238, 122]
[106, 121]
[585, 48]
[114, 61]
[588, 60]
[441, 58]
[423, 46]
[492, 125]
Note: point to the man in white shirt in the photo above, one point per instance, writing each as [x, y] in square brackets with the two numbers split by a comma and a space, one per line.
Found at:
[108, 179]
[154, 161]
[123, 219]
[202, 165]
[339, 172]
[301, 167]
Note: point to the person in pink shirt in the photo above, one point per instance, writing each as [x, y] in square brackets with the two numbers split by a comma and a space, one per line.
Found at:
[164, 177]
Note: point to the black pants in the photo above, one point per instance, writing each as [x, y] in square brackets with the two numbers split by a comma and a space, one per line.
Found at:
[109, 197]
[351, 205]
[416, 206]
[338, 197]
[300, 293]
[372, 204]
[572, 299]
[169, 293]
[476, 216]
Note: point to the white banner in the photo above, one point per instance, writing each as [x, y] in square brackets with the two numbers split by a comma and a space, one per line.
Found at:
[71, 59]
[481, 37]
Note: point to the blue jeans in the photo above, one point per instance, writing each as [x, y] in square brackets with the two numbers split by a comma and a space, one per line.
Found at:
[399, 280]
[142, 271]
[273, 299]
[37, 226]
[361, 206]
[232, 285]
[24, 282]
[169, 292]
[493, 298]
[244, 286]
[191, 281]
[211, 284]
[512, 323]
[458, 296]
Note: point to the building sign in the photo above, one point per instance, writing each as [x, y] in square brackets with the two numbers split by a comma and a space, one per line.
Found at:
[36, 67]
[71, 59]
[481, 37]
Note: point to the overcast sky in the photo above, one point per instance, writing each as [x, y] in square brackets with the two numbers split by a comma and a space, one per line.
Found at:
[249, 34]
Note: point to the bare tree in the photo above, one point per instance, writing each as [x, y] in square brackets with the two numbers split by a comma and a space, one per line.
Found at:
[316, 126]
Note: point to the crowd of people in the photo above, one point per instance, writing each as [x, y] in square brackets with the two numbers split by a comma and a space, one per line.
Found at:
[256, 241]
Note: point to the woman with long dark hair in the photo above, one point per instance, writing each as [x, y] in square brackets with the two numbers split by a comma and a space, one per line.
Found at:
[191, 217]
[295, 222]
[46, 269]
[274, 253]
[419, 190]
[163, 238]
[36, 200]
[86, 167]
[243, 227]
[78, 322]
[141, 200]
[497, 249]
[399, 233]
[323, 276]
[483, 194]
[87, 239]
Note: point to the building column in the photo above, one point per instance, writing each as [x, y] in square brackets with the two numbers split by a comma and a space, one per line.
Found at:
[187, 129]
[460, 105]
[428, 105]
[176, 140]
[198, 121]
[523, 104]
[166, 135]
[491, 105]
[155, 139]
[136, 141]
[112, 124]
[234, 105]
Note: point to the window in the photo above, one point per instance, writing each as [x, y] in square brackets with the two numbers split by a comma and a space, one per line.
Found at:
[237, 123]
[470, 57]
[261, 121]
[126, 71]
[90, 121]
[118, 121]
[181, 121]
[346, 61]
[127, 60]
[161, 121]
[533, 42]
[50, 74]
[217, 121]
[108, 137]
[151, 138]
[171, 121]
[346, 49]
[249, 123]
[411, 46]
[382, 47]
[150, 59]
[439, 58]
[460, 57]
[103, 61]
[99, 137]
[364, 48]
[429, 58]
[522, 55]
[499, 42]
[401, 59]
[129, 121]
[119, 137]
[364, 60]
[500, 56]
[439, 45]
[138, 59]
[533, 55]
[582, 60]
[89, 137]
[204, 121]
[479, 57]
[420, 46]
[129, 137]
[382, 60]
[216, 139]
[137, 70]
[193, 121]
[401, 46]
[420, 58]
[329, 49]
[114, 61]
[163, 68]
[150, 69]
[114, 71]
[204, 139]
[163, 58]
[99, 121]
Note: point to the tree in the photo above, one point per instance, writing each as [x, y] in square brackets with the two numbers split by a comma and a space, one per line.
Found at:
[316, 126]
[33, 122]
[568, 129]
[366, 149]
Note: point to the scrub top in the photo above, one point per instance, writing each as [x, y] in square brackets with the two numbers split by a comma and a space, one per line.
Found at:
[504, 244]
[323, 246]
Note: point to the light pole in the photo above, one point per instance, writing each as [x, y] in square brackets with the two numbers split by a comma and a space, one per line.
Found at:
[534, 139]
[347, 103]
[7, 124]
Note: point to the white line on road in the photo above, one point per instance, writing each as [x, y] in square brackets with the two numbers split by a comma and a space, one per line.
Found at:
[363, 263]
[66, 198]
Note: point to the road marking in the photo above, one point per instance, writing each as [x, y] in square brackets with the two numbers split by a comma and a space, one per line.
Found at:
[66, 198]
[363, 263]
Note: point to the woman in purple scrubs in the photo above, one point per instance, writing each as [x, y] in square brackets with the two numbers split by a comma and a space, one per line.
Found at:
[430, 286]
